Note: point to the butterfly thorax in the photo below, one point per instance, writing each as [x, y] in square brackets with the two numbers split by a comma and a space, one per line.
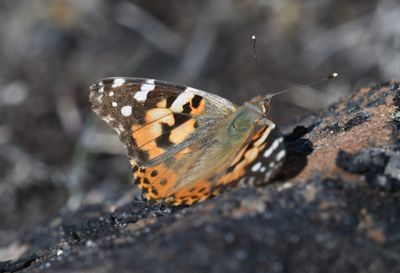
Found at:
[243, 120]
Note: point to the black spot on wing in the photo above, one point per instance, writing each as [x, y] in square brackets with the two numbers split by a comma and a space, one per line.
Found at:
[163, 140]
[170, 101]
[180, 119]
[154, 190]
[186, 108]
[163, 181]
[196, 101]
[135, 168]
[137, 181]
[142, 156]
[108, 81]
[231, 168]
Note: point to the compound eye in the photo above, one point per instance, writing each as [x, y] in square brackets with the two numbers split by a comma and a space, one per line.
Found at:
[265, 106]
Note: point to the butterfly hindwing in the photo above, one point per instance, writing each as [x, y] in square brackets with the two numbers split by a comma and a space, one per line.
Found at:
[258, 161]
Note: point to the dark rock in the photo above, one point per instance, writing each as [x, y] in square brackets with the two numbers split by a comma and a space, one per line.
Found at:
[359, 119]
[353, 106]
[393, 167]
[332, 128]
[396, 99]
[10, 266]
[380, 167]
[363, 162]
[377, 102]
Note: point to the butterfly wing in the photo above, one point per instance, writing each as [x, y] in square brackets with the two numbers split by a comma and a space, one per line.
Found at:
[156, 119]
[164, 126]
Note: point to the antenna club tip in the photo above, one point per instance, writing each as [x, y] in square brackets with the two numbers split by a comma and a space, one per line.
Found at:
[333, 75]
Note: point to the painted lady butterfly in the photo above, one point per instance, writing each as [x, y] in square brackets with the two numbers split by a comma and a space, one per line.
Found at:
[184, 144]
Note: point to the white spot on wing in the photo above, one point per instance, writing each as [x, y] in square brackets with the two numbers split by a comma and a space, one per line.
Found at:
[280, 155]
[263, 169]
[262, 139]
[182, 99]
[273, 147]
[101, 90]
[126, 111]
[114, 104]
[118, 82]
[146, 87]
[256, 167]
[111, 94]
[141, 95]
[268, 175]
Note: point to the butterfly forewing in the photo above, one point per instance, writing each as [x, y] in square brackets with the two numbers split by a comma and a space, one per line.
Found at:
[155, 119]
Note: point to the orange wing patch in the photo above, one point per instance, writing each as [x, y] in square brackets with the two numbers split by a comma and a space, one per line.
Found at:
[159, 115]
[193, 194]
[239, 169]
[145, 135]
[188, 103]
[246, 156]
[198, 105]
[180, 133]
[152, 150]
[162, 103]
[156, 181]
[153, 128]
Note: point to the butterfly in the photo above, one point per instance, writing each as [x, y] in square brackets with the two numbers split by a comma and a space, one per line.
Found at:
[186, 145]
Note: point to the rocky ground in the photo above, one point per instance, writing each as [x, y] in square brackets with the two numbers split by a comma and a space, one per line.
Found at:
[334, 208]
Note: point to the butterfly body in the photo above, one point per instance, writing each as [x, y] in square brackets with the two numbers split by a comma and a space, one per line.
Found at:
[184, 144]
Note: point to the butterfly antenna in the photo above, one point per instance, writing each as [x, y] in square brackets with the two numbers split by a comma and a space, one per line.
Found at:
[253, 40]
[331, 76]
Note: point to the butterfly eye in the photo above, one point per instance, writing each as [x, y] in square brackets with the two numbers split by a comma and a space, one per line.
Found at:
[265, 105]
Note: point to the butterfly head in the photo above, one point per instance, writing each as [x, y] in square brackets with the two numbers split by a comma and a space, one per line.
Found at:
[261, 104]
[265, 104]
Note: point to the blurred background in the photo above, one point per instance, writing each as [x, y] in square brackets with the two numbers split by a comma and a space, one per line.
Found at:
[56, 156]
